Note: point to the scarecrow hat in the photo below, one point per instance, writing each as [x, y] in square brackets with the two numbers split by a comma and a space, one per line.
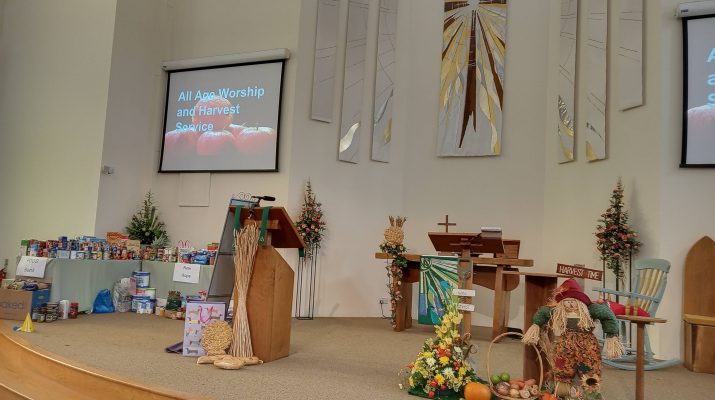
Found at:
[571, 289]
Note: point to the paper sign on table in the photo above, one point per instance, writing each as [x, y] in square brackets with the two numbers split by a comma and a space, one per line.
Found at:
[464, 292]
[187, 273]
[31, 266]
[465, 307]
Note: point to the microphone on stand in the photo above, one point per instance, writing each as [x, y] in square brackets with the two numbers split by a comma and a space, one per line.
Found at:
[259, 198]
[266, 198]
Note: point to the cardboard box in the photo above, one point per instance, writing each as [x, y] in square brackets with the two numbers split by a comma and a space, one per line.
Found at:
[16, 304]
[116, 238]
[134, 245]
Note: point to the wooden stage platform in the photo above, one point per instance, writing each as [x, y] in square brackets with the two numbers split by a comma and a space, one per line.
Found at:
[27, 372]
[121, 356]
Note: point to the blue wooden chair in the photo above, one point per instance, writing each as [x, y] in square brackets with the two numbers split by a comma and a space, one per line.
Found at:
[649, 279]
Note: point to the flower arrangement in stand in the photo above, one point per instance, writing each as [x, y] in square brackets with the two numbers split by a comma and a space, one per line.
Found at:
[441, 370]
[145, 225]
[615, 239]
[310, 224]
[394, 236]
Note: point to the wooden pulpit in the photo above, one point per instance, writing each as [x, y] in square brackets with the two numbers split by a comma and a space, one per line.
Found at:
[466, 244]
[270, 294]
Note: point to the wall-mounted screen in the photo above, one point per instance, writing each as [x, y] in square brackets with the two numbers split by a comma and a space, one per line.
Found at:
[698, 92]
[222, 119]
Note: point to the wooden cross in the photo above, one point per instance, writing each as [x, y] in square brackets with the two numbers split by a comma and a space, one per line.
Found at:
[446, 224]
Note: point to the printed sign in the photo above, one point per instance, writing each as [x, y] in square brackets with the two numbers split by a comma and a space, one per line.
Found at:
[465, 307]
[187, 273]
[464, 292]
[31, 266]
[579, 271]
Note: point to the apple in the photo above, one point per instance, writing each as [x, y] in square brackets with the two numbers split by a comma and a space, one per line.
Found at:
[214, 112]
[702, 118]
[181, 141]
[235, 129]
[254, 140]
[212, 143]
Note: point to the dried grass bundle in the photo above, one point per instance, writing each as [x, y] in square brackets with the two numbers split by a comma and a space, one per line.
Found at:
[246, 245]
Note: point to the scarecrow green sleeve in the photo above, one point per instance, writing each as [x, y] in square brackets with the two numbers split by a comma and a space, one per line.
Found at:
[603, 313]
[542, 316]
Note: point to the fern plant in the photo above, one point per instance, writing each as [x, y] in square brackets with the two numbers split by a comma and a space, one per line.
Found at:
[145, 225]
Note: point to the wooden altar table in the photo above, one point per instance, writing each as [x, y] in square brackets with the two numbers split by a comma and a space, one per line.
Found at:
[489, 272]
[538, 289]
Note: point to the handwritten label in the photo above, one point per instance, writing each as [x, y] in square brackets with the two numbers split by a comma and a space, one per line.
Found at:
[31, 266]
[187, 273]
[464, 292]
[578, 271]
[465, 307]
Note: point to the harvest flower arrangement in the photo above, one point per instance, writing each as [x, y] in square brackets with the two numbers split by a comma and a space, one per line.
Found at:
[394, 236]
[310, 224]
[442, 369]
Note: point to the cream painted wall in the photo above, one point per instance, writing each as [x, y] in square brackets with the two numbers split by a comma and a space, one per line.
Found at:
[552, 208]
[4, 198]
[54, 74]
[505, 191]
[209, 28]
[670, 207]
[357, 198]
[577, 193]
[687, 212]
[134, 110]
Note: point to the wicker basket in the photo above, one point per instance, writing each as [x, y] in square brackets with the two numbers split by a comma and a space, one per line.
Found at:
[489, 372]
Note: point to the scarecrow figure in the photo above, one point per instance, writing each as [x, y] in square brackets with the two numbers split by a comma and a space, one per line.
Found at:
[570, 316]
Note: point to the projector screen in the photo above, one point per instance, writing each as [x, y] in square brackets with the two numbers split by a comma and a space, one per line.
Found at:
[223, 119]
[698, 92]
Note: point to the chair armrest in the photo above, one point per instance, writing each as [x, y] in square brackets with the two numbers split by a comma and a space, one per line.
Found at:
[626, 294]
[611, 291]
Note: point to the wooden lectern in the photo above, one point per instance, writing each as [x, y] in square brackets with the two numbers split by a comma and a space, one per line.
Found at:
[466, 244]
[270, 294]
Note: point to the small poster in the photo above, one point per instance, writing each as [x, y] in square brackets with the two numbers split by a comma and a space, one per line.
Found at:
[187, 273]
[198, 315]
[31, 266]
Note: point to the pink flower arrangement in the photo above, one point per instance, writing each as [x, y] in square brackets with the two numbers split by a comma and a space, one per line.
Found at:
[310, 224]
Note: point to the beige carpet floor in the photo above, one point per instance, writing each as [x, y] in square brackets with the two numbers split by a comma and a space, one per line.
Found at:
[331, 358]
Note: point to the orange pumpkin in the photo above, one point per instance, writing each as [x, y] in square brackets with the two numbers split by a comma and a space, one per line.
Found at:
[477, 391]
[548, 396]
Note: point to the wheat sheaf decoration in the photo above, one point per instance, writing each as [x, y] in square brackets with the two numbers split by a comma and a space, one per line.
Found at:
[395, 233]
[240, 350]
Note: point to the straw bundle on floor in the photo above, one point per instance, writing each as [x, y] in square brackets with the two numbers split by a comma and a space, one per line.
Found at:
[246, 245]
